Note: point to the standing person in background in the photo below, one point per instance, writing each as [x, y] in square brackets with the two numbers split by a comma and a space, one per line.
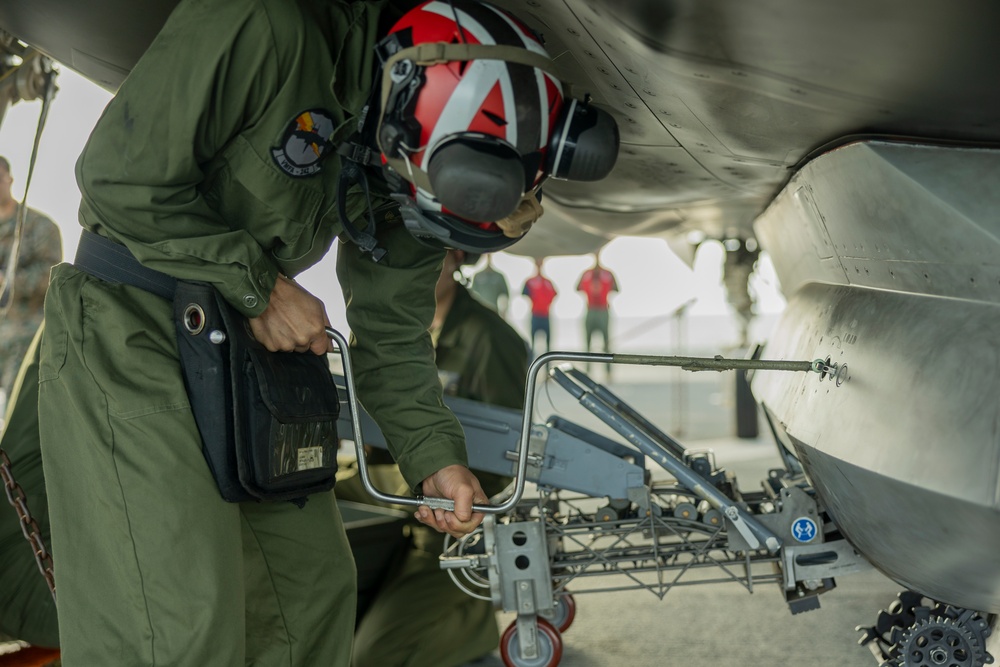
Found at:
[597, 283]
[490, 286]
[480, 357]
[21, 303]
[542, 292]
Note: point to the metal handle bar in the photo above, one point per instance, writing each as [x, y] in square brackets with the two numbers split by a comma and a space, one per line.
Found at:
[521, 459]
[352, 404]
[713, 363]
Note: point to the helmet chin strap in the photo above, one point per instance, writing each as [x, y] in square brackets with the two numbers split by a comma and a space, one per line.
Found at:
[520, 221]
[350, 174]
[358, 153]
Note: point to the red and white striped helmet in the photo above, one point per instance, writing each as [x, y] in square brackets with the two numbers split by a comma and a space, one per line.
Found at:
[492, 112]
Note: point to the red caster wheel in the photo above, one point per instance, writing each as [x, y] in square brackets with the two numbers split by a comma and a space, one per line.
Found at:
[550, 647]
[563, 612]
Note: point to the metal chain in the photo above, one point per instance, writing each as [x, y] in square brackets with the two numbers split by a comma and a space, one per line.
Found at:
[32, 533]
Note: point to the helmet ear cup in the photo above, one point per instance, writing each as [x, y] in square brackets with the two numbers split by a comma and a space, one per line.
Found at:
[393, 135]
[477, 180]
[584, 145]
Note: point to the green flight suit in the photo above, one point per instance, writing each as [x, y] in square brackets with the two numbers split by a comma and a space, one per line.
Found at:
[479, 355]
[418, 617]
[215, 162]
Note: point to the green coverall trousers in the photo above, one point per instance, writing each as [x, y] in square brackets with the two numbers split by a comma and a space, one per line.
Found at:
[152, 567]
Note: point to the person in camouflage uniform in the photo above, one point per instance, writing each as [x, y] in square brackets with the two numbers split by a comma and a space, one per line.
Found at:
[27, 610]
[480, 357]
[21, 303]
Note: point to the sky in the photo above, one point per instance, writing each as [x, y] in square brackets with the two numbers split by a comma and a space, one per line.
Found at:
[653, 281]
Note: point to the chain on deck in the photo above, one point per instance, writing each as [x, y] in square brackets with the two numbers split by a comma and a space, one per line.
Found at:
[32, 533]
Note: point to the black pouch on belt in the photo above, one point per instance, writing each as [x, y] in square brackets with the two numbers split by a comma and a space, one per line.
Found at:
[268, 420]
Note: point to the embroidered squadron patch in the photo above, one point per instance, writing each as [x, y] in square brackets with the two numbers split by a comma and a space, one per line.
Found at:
[304, 143]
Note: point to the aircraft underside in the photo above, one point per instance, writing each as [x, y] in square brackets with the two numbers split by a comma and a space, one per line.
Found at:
[887, 253]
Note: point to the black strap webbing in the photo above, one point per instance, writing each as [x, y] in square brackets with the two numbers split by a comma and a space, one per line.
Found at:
[114, 263]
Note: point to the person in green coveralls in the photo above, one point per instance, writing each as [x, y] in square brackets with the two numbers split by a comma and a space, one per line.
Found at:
[216, 162]
[479, 357]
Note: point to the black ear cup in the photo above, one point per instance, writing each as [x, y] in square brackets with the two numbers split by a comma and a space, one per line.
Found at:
[477, 180]
[394, 135]
[584, 146]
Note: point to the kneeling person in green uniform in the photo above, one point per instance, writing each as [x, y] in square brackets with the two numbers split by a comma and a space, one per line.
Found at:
[479, 357]
[27, 610]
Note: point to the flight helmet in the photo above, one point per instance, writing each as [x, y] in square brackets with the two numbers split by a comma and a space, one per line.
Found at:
[472, 118]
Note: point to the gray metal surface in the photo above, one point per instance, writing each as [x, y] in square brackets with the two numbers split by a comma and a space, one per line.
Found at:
[717, 102]
[573, 464]
[565, 456]
[888, 254]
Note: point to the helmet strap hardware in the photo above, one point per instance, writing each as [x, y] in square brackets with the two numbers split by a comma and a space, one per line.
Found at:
[352, 173]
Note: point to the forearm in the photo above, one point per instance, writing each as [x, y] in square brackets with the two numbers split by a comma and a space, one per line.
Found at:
[389, 308]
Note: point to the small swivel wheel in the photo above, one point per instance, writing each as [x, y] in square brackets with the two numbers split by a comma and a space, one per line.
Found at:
[563, 612]
[550, 647]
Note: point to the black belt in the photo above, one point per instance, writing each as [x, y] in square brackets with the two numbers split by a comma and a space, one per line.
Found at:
[114, 263]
